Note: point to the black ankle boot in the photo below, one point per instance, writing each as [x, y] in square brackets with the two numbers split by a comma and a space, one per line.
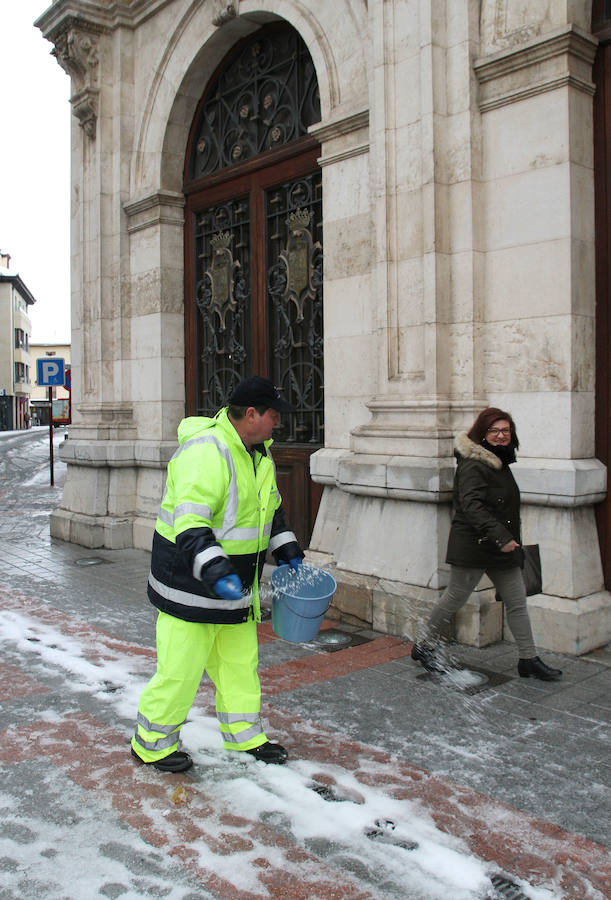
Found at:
[178, 761]
[429, 658]
[269, 753]
[538, 669]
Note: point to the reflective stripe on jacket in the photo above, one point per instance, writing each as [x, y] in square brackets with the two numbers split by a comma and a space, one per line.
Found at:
[219, 511]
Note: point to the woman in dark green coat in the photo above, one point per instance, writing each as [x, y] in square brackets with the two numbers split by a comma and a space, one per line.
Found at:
[485, 538]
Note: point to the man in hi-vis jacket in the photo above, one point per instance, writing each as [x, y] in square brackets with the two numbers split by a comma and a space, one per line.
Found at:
[220, 514]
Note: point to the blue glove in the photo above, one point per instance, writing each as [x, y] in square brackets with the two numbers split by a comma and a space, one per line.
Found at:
[294, 563]
[229, 587]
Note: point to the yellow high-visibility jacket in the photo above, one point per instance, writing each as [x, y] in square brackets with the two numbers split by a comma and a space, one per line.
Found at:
[220, 512]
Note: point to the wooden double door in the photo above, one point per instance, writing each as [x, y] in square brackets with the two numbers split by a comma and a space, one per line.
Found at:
[254, 305]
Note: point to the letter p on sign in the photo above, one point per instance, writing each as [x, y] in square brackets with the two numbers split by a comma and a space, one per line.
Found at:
[50, 372]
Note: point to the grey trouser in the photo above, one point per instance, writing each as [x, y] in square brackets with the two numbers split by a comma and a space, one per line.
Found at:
[509, 585]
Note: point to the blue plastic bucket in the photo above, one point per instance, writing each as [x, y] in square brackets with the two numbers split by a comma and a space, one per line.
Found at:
[300, 601]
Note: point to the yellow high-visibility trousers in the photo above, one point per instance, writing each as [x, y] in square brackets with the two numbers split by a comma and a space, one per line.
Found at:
[229, 653]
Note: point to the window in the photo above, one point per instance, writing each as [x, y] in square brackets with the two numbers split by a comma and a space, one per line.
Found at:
[21, 339]
[20, 373]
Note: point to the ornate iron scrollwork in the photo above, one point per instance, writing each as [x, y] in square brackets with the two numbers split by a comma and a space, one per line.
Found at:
[265, 97]
[219, 297]
[222, 297]
[294, 285]
[298, 258]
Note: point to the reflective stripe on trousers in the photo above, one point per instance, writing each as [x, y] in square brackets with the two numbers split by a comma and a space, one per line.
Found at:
[236, 733]
[229, 654]
[172, 733]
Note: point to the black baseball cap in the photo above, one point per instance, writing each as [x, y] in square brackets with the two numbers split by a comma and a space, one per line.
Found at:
[258, 391]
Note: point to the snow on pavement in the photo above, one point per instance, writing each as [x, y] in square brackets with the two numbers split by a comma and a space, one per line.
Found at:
[287, 799]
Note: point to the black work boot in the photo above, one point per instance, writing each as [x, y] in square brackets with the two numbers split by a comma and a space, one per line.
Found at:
[175, 762]
[429, 658]
[538, 669]
[269, 753]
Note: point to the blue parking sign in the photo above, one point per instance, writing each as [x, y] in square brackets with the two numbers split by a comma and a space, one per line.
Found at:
[50, 372]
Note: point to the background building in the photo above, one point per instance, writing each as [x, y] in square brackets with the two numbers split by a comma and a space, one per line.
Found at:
[440, 158]
[15, 359]
[39, 396]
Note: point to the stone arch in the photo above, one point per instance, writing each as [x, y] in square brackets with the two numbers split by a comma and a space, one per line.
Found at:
[196, 48]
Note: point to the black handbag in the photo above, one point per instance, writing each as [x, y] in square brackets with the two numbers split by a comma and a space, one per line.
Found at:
[531, 571]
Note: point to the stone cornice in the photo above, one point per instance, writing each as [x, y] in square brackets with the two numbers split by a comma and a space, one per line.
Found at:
[561, 58]
[331, 158]
[105, 17]
[160, 208]
[327, 131]
[396, 416]
[116, 453]
[350, 125]
[563, 483]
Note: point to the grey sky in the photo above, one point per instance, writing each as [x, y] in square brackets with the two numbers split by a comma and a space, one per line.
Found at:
[35, 167]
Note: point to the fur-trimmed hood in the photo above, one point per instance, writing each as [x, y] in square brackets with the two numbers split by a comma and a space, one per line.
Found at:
[468, 449]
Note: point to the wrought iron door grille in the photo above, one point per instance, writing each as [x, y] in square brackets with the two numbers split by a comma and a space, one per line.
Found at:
[266, 97]
[223, 299]
[295, 304]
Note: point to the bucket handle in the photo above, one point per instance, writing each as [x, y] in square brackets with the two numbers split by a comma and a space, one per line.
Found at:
[306, 617]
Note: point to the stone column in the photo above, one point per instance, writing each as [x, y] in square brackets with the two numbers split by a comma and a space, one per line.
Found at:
[99, 496]
[156, 352]
[539, 346]
[385, 509]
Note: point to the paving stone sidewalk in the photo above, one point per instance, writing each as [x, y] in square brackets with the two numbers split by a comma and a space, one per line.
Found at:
[514, 773]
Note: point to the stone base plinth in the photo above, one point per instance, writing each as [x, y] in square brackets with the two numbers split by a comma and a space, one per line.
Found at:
[570, 626]
[393, 607]
[144, 528]
[559, 625]
[111, 532]
[112, 493]
[382, 531]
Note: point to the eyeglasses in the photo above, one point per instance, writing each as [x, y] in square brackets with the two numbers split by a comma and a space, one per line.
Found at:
[496, 431]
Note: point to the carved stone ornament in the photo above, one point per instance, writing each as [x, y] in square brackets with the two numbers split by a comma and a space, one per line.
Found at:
[221, 298]
[226, 13]
[297, 257]
[76, 50]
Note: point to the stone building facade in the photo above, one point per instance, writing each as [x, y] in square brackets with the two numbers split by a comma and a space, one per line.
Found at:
[452, 145]
[16, 368]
